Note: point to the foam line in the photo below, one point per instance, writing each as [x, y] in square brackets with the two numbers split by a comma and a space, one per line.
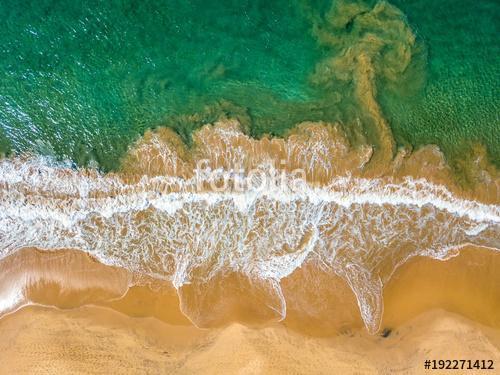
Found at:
[164, 228]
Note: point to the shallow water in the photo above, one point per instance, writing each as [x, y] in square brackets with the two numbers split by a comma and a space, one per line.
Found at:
[182, 226]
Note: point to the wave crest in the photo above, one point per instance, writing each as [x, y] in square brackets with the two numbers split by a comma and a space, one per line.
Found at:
[153, 219]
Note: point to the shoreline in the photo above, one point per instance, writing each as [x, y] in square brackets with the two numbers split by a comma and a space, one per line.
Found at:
[318, 303]
[343, 217]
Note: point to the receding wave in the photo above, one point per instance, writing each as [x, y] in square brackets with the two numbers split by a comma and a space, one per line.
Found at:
[237, 205]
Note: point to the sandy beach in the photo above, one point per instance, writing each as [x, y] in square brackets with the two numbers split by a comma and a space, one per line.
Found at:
[99, 340]
[433, 310]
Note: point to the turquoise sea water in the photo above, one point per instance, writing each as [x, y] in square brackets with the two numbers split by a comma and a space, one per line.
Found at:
[83, 80]
[461, 101]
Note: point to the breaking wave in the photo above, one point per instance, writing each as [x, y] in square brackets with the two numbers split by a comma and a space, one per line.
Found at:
[166, 221]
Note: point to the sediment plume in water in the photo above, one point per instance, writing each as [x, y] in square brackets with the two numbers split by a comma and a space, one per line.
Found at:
[233, 210]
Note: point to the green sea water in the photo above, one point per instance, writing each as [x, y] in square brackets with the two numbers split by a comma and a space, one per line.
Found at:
[461, 100]
[83, 80]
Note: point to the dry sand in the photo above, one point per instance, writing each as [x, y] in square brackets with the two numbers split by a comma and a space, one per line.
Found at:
[100, 340]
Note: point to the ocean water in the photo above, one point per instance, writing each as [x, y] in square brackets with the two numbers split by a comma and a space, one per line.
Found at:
[82, 81]
[329, 89]
[460, 102]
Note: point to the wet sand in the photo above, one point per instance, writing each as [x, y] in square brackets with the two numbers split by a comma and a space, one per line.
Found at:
[468, 284]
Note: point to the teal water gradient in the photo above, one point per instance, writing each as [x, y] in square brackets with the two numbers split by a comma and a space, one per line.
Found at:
[84, 80]
[461, 101]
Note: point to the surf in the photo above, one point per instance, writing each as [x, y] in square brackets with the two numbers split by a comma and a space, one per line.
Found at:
[179, 226]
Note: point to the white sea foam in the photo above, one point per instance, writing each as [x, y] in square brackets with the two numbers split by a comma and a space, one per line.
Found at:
[11, 298]
[163, 227]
